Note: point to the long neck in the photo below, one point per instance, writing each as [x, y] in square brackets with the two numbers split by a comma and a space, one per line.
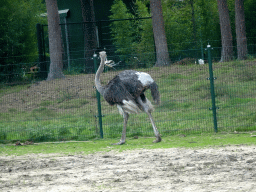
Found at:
[99, 87]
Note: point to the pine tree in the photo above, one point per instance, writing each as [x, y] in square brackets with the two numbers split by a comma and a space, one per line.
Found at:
[226, 34]
[240, 30]
[55, 46]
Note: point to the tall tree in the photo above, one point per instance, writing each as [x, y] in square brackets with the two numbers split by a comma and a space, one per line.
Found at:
[90, 39]
[226, 34]
[162, 55]
[55, 43]
[240, 30]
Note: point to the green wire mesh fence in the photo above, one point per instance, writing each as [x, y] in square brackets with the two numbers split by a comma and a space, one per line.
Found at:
[67, 109]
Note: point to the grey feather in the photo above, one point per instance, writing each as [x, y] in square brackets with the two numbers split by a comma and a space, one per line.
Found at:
[126, 86]
[115, 92]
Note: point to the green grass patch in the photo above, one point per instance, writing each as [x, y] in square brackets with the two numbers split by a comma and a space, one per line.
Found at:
[104, 145]
[45, 103]
[4, 89]
[74, 103]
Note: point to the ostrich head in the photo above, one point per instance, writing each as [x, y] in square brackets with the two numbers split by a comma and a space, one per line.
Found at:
[105, 61]
[103, 55]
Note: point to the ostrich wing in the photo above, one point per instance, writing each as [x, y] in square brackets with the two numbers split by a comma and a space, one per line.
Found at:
[116, 92]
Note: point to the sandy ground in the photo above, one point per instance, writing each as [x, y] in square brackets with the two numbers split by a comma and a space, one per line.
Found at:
[231, 168]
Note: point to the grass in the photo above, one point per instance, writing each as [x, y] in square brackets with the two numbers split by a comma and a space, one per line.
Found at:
[104, 145]
[67, 109]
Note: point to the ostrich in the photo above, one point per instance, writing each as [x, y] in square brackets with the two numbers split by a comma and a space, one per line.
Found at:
[126, 91]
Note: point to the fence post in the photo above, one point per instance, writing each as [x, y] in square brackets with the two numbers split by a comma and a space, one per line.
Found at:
[99, 35]
[98, 98]
[211, 78]
[67, 42]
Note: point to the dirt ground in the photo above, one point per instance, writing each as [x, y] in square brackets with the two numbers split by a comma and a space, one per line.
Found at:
[230, 168]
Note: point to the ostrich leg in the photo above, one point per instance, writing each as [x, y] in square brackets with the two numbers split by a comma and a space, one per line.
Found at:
[122, 140]
[158, 138]
[147, 107]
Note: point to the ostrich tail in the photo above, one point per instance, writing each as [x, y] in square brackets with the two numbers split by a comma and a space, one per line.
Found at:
[155, 93]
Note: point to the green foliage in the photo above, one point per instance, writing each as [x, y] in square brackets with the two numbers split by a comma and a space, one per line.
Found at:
[207, 19]
[132, 37]
[3, 135]
[18, 19]
[136, 37]
[122, 31]
[179, 26]
[250, 12]
[144, 44]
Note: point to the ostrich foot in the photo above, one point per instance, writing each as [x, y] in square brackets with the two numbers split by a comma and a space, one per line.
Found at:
[119, 143]
[158, 139]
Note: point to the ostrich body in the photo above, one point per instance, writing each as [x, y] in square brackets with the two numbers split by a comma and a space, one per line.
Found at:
[126, 90]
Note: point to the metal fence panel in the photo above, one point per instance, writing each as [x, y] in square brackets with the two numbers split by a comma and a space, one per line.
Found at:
[66, 109]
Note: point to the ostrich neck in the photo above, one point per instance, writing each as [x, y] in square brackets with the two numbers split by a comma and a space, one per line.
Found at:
[99, 87]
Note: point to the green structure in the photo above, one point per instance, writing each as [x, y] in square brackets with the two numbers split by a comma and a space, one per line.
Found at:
[80, 32]
[85, 30]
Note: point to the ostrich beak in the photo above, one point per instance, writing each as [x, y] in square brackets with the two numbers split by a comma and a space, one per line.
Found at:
[110, 63]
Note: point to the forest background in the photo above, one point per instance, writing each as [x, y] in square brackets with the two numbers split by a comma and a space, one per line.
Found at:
[189, 24]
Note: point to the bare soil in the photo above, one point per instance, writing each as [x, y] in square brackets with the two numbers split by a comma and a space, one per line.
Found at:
[230, 168]
[55, 92]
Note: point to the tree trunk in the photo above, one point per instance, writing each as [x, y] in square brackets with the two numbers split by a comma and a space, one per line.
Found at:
[240, 30]
[90, 39]
[55, 46]
[225, 28]
[162, 55]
